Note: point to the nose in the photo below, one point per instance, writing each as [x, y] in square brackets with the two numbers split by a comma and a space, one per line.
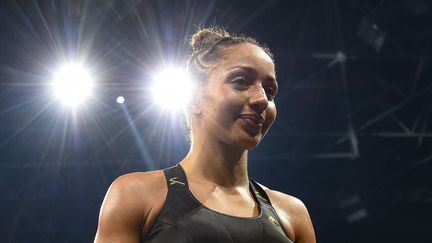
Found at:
[258, 99]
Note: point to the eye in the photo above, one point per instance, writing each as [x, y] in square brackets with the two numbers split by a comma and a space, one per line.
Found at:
[270, 92]
[240, 83]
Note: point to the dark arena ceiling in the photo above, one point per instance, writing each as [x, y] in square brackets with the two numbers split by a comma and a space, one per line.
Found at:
[353, 137]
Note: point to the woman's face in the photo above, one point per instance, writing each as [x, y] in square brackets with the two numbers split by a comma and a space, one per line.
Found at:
[237, 104]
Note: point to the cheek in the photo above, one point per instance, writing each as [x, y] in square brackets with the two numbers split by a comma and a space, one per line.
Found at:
[273, 111]
[229, 109]
[225, 103]
[220, 108]
[233, 103]
[270, 115]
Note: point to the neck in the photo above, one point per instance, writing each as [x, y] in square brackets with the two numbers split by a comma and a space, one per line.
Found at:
[212, 162]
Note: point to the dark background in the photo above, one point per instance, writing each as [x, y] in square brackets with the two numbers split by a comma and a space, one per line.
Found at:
[353, 137]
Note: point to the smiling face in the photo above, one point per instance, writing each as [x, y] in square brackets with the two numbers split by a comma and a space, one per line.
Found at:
[236, 106]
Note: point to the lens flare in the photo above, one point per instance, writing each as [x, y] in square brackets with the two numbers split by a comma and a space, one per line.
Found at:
[72, 84]
[172, 89]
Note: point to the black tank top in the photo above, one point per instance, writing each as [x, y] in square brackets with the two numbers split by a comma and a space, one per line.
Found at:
[183, 219]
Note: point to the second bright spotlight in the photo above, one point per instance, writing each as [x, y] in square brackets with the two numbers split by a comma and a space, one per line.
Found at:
[172, 88]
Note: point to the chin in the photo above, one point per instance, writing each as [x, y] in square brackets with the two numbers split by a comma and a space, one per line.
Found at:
[244, 140]
[251, 142]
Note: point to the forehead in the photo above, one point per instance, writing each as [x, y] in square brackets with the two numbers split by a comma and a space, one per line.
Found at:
[249, 55]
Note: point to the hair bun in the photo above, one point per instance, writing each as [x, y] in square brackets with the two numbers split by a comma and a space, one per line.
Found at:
[205, 38]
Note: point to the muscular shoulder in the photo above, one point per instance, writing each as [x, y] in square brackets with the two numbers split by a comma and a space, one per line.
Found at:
[137, 190]
[294, 215]
[135, 184]
[127, 204]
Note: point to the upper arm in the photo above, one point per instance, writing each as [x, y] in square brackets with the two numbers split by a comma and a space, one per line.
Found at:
[294, 212]
[121, 214]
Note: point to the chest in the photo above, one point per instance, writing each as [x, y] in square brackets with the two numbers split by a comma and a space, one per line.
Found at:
[184, 219]
[204, 225]
[191, 215]
[239, 203]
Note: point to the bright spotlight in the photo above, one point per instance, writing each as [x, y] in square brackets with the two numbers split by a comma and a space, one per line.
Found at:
[120, 100]
[72, 84]
[172, 88]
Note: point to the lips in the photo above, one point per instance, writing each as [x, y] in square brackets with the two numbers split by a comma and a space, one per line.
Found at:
[253, 122]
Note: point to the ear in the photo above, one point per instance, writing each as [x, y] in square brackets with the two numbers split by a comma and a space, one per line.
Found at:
[194, 106]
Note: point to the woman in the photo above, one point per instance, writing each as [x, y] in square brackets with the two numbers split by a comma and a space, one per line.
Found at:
[208, 196]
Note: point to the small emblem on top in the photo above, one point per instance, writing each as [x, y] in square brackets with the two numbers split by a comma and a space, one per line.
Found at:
[174, 180]
[273, 220]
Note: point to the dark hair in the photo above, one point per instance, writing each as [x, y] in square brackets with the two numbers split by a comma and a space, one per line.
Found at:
[207, 47]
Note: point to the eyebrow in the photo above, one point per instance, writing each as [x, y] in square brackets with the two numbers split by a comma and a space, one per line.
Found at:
[250, 69]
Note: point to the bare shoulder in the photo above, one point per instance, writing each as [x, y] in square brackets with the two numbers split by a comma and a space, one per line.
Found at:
[127, 205]
[134, 188]
[294, 215]
[137, 182]
[291, 204]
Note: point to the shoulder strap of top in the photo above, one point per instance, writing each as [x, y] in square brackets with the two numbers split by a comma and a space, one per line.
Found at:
[259, 192]
[263, 198]
[176, 178]
[178, 201]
